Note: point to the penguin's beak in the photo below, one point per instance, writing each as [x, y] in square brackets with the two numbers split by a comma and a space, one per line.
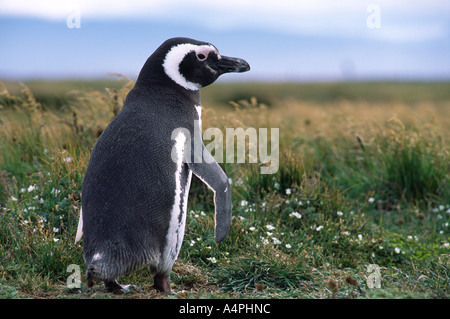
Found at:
[227, 64]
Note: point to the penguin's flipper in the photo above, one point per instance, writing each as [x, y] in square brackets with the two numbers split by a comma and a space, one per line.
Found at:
[79, 228]
[215, 178]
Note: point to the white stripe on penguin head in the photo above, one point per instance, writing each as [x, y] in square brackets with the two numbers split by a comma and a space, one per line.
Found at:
[176, 55]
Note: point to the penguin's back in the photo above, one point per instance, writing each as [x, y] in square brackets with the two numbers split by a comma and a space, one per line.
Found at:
[128, 189]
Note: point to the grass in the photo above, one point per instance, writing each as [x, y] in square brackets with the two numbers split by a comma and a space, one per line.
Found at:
[363, 179]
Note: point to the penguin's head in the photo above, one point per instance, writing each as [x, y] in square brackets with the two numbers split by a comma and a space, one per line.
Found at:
[191, 64]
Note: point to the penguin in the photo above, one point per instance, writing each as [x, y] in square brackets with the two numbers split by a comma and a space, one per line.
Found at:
[135, 189]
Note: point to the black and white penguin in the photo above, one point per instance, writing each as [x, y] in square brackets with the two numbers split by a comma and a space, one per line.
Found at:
[135, 190]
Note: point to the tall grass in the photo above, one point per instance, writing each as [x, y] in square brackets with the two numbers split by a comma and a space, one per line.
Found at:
[359, 183]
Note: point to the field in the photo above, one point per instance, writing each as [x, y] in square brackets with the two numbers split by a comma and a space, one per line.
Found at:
[361, 197]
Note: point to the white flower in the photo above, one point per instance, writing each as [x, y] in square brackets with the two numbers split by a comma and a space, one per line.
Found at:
[319, 228]
[295, 214]
[13, 198]
[212, 259]
[270, 227]
[68, 159]
[397, 250]
[252, 228]
[288, 246]
[244, 203]
[339, 213]
[31, 188]
[446, 244]
[55, 230]
[192, 243]
[276, 241]
[345, 233]
[371, 200]
[359, 237]
[288, 191]
[55, 239]
[55, 191]
[22, 190]
[276, 185]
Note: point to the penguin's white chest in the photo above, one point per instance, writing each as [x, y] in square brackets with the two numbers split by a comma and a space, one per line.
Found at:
[175, 233]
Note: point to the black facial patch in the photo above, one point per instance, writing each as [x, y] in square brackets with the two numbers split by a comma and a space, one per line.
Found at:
[197, 69]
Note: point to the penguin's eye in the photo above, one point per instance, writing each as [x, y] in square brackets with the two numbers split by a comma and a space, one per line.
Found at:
[201, 57]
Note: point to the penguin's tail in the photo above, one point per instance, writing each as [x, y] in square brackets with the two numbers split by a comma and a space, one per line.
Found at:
[80, 227]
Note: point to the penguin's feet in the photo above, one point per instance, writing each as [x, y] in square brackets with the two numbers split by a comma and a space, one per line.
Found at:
[162, 283]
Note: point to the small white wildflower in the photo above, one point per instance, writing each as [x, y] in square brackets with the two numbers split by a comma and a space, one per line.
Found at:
[446, 244]
[265, 241]
[371, 200]
[288, 246]
[55, 230]
[276, 241]
[68, 159]
[263, 204]
[23, 190]
[295, 214]
[319, 228]
[397, 250]
[276, 186]
[55, 239]
[212, 259]
[269, 233]
[252, 228]
[339, 213]
[288, 191]
[359, 237]
[41, 201]
[244, 203]
[31, 188]
[202, 213]
[446, 224]
[380, 247]
[55, 191]
[192, 243]
[270, 227]
[345, 233]
[13, 198]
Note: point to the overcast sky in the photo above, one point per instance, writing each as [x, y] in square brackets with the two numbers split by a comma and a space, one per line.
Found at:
[283, 40]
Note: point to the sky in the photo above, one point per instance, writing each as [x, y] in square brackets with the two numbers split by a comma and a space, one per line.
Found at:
[283, 40]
